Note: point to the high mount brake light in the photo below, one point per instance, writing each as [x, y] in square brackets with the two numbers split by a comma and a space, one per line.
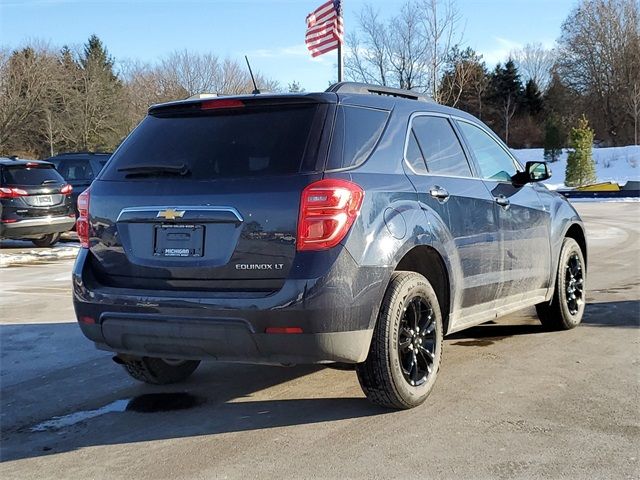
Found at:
[82, 224]
[12, 192]
[223, 103]
[328, 209]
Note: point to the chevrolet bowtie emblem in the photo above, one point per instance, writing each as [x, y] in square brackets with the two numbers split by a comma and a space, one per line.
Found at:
[170, 214]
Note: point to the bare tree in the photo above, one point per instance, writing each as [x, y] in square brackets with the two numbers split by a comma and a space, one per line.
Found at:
[634, 109]
[409, 50]
[600, 59]
[534, 62]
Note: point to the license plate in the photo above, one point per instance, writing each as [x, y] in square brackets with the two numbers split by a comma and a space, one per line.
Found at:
[178, 240]
[44, 200]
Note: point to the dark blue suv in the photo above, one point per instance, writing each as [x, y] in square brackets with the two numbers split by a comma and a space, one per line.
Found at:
[359, 225]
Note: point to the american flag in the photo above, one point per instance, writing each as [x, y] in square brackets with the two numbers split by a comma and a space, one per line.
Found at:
[325, 28]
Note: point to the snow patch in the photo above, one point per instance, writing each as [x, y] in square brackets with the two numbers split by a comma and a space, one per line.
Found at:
[613, 164]
[56, 423]
[35, 256]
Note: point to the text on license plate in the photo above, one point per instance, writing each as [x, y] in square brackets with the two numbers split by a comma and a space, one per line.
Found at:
[44, 200]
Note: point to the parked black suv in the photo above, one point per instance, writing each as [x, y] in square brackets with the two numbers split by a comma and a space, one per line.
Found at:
[79, 169]
[35, 202]
[359, 225]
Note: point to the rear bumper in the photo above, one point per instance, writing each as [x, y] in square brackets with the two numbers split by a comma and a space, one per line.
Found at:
[336, 314]
[35, 227]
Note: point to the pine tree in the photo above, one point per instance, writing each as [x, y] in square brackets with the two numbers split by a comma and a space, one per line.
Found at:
[506, 93]
[581, 169]
[532, 99]
[553, 140]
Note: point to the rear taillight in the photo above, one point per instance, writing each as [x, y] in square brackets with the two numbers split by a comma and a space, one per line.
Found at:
[82, 224]
[66, 190]
[328, 208]
[12, 192]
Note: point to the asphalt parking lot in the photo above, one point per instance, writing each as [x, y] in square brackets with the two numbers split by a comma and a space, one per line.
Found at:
[512, 401]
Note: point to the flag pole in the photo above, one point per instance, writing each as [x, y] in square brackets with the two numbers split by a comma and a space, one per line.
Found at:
[340, 62]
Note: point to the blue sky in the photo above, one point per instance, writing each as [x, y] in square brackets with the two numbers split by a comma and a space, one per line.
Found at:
[271, 32]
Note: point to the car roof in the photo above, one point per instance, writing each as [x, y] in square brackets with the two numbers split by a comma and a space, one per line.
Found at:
[17, 162]
[346, 93]
[79, 155]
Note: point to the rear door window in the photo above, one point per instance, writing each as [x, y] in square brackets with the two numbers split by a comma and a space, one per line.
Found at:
[440, 146]
[414, 155]
[34, 176]
[242, 142]
[355, 134]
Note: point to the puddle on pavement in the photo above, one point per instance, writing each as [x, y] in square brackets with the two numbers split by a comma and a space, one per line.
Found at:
[163, 402]
[479, 343]
[147, 403]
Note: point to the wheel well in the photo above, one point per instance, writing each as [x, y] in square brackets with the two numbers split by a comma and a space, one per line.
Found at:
[577, 234]
[427, 262]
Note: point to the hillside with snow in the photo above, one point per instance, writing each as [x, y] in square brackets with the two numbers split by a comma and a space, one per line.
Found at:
[616, 164]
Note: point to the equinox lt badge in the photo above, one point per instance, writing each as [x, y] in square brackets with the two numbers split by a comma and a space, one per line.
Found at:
[259, 266]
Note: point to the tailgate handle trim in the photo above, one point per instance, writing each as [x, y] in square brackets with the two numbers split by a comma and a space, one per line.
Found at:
[194, 213]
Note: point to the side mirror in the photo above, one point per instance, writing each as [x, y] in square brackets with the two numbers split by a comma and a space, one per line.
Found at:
[533, 172]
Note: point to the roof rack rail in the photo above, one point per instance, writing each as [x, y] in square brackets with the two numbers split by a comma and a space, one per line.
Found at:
[357, 87]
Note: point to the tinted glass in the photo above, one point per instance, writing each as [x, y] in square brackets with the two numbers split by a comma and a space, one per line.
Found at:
[440, 147]
[494, 163]
[20, 175]
[355, 134]
[414, 155]
[251, 141]
[76, 170]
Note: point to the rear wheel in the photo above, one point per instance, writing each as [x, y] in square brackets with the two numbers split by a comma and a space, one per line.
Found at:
[567, 306]
[47, 240]
[158, 371]
[406, 348]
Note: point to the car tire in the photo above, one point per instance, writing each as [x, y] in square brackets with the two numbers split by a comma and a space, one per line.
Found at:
[47, 240]
[403, 360]
[158, 371]
[565, 310]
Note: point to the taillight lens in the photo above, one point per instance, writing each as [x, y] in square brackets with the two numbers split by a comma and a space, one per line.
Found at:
[66, 190]
[328, 208]
[223, 103]
[82, 224]
[12, 192]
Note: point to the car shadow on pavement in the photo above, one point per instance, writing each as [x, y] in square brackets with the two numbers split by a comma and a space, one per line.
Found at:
[220, 398]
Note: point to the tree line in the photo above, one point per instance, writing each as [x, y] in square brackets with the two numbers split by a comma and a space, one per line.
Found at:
[59, 99]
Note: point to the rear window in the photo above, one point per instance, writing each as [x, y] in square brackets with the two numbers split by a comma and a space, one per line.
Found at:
[250, 141]
[355, 134]
[21, 175]
[76, 169]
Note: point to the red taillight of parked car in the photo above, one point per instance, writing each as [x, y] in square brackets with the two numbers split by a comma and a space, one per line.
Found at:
[12, 192]
[82, 224]
[66, 190]
[328, 208]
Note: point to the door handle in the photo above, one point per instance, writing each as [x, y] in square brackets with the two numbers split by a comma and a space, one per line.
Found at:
[439, 193]
[502, 201]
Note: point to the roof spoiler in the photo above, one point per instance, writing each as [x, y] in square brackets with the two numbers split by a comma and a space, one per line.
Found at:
[365, 88]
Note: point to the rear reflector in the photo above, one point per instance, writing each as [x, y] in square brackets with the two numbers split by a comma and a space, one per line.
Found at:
[224, 103]
[9, 220]
[88, 320]
[283, 330]
[328, 208]
[82, 224]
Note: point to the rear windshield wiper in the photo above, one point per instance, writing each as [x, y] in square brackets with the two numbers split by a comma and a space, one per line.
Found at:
[153, 170]
[48, 182]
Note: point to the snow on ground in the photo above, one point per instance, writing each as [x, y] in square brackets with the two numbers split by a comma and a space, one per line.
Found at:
[62, 251]
[616, 164]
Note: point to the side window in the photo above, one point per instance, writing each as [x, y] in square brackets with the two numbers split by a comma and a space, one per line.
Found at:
[75, 170]
[494, 163]
[414, 155]
[355, 134]
[440, 146]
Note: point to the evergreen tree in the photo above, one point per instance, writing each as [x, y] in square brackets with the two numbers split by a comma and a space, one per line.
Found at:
[532, 99]
[553, 140]
[581, 169]
[295, 87]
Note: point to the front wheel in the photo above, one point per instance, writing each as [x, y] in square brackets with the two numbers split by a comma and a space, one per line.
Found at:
[567, 306]
[158, 371]
[406, 347]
